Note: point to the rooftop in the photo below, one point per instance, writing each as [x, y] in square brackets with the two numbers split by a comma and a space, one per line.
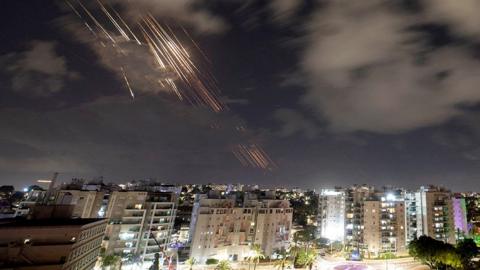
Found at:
[16, 222]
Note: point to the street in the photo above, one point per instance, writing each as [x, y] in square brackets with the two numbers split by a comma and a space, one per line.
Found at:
[325, 263]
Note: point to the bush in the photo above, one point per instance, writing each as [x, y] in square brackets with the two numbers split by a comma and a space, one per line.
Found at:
[211, 261]
[387, 255]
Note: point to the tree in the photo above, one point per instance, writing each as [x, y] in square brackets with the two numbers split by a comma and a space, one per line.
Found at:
[294, 251]
[449, 257]
[425, 250]
[211, 261]
[191, 262]
[111, 261]
[436, 254]
[305, 236]
[223, 265]
[256, 255]
[306, 258]
[284, 260]
[467, 250]
[306, 206]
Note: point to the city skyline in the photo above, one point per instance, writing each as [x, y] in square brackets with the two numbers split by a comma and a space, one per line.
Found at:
[334, 94]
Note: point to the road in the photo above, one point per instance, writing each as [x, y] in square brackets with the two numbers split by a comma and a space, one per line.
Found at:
[340, 264]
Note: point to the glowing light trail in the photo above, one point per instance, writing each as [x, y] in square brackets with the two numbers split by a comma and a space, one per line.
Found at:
[169, 55]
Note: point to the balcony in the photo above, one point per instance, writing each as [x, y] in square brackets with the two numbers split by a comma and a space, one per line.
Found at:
[133, 216]
[131, 222]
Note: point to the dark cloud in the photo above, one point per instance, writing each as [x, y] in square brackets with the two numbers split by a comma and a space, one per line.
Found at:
[379, 76]
[188, 12]
[123, 58]
[37, 71]
[118, 138]
[293, 122]
[366, 71]
[283, 10]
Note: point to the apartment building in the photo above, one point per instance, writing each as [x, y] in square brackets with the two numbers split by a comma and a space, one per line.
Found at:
[460, 223]
[50, 244]
[384, 223]
[355, 197]
[331, 214]
[222, 228]
[140, 223]
[430, 212]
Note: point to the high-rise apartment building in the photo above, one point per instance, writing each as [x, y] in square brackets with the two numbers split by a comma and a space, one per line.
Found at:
[354, 202]
[140, 223]
[430, 212]
[224, 229]
[460, 224]
[384, 223]
[331, 214]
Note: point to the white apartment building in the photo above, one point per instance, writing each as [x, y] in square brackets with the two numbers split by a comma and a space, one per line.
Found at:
[140, 223]
[430, 212]
[222, 229]
[331, 214]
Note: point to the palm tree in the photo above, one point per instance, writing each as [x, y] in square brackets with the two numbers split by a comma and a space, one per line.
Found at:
[256, 255]
[223, 265]
[293, 251]
[310, 258]
[191, 262]
[284, 261]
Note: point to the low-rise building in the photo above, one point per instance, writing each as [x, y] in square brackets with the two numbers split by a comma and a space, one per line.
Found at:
[50, 244]
[86, 203]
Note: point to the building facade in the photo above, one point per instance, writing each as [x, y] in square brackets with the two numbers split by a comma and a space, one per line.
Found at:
[460, 224]
[331, 214]
[354, 217]
[86, 204]
[69, 244]
[430, 212]
[384, 223]
[140, 223]
[222, 229]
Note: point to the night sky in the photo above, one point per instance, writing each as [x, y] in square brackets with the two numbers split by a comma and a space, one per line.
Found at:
[337, 92]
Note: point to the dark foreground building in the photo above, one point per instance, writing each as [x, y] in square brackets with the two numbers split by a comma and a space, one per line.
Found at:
[67, 244]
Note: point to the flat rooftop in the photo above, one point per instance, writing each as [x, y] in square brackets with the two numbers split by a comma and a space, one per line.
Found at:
[16, 222]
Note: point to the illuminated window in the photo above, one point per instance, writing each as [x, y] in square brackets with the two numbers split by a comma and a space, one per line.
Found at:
[138, 206]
